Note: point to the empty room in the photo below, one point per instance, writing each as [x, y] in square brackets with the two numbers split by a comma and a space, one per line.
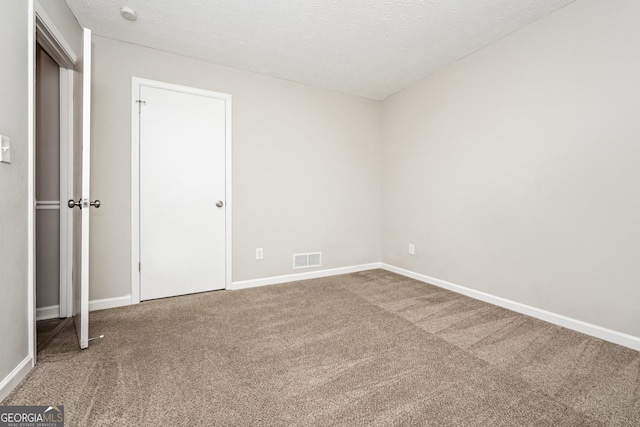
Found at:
[282, 213]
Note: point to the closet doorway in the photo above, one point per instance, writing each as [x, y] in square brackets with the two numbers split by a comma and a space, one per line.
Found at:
[53, 92]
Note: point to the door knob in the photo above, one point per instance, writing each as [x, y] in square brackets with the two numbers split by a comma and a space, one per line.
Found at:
[78, 204]
[219, 204]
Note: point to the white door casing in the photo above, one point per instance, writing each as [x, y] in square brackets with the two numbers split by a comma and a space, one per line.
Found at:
[181, 204]
[81, 165]
[66, 191]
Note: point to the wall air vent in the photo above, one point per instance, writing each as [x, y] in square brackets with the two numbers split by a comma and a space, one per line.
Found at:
[308, 260]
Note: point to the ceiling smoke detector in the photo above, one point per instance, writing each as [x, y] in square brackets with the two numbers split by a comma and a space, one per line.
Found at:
[128, 13]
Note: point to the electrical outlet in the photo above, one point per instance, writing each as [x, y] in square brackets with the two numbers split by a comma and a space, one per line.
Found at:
[259, 253]
[412, 249]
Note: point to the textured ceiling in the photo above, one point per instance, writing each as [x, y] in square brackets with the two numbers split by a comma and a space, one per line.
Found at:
[371, 48]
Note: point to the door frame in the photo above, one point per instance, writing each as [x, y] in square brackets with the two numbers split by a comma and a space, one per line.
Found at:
[43, 30]
[136, 84]
[52, 42]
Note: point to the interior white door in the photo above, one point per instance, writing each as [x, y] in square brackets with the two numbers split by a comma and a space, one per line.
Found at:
[182, 192]
[81, 203]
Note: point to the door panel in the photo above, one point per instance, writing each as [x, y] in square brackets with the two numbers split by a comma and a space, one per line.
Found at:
[81, 159]
[182, 178]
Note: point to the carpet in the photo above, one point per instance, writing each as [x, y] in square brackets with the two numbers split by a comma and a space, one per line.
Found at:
[364, 349]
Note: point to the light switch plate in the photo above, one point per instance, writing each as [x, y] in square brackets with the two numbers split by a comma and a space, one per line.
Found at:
[5, 149]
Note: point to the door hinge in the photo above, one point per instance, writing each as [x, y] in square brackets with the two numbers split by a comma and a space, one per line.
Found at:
[140, 102]
[139, 267]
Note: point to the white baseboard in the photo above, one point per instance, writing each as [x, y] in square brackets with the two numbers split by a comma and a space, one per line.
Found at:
[244, 284]
[102, 304]
[46, 313]
[15, 377]
[53, 311]
[615, 337]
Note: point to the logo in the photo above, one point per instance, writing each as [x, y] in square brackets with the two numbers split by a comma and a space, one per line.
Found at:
[31, 416]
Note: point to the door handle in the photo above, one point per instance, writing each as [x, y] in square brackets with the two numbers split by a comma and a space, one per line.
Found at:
[219, 204]
[78, 204]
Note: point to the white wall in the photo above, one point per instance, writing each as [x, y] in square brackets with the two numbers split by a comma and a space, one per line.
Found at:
[64, 21]
[515, 171]
[306, 166]
[14, 302]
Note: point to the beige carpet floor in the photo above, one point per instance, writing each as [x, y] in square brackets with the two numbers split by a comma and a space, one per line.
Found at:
[365, 349]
